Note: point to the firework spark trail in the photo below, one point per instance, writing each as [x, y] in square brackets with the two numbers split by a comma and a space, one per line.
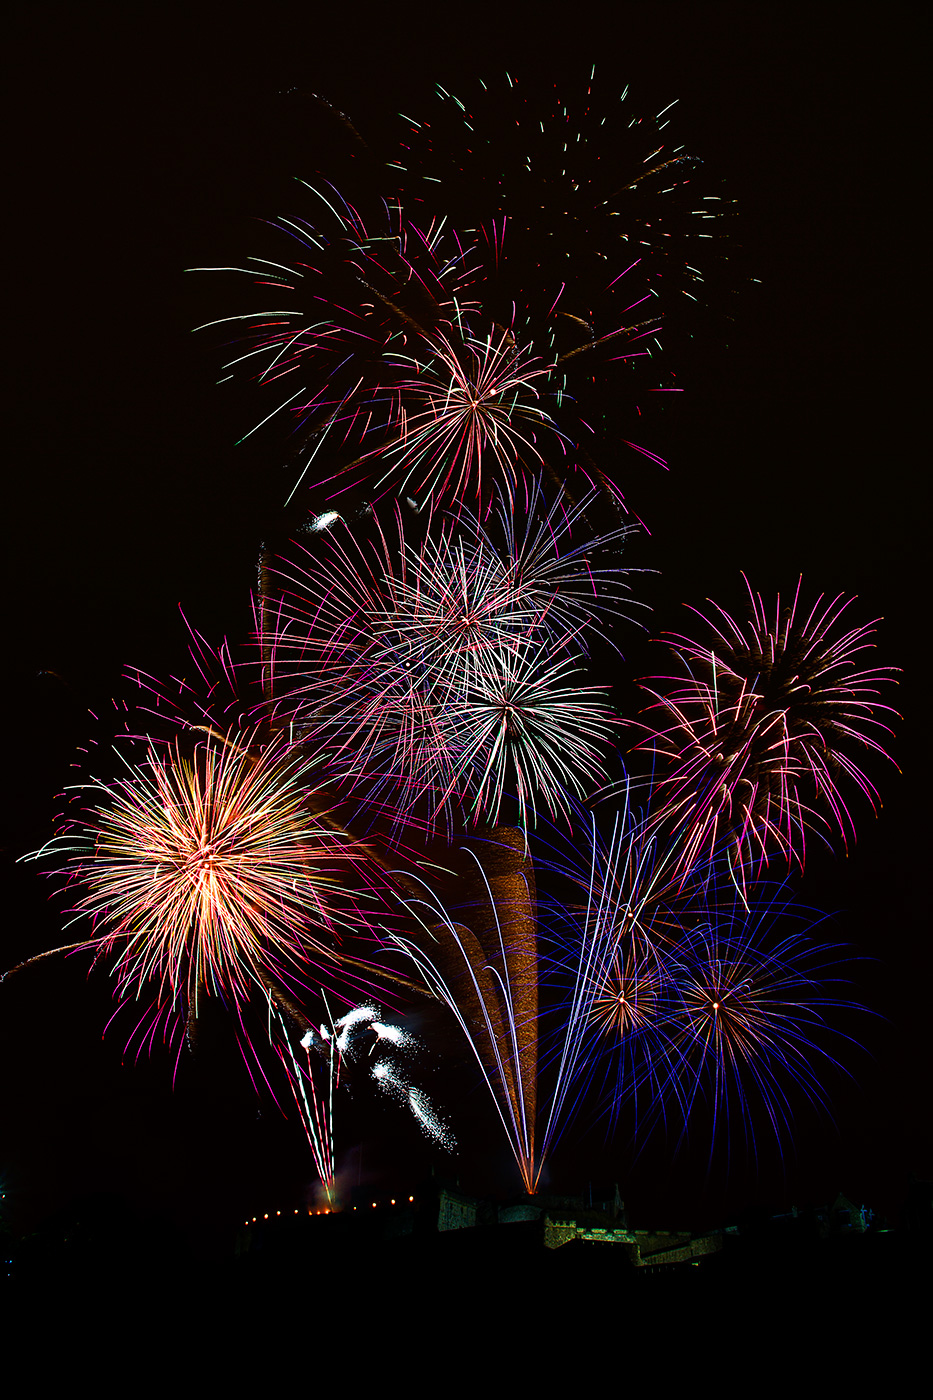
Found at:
[621, 943]
[330, 1047]
[759, 727]
[209, 702]
[393, 1082]
[355, 293]
[487, 977]
[315, 1109]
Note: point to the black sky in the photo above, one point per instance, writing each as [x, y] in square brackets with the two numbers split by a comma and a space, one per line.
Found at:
[145, 149]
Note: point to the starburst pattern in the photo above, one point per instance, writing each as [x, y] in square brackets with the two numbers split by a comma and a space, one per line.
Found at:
[449, 674]
[210, 873]
[466, 409]
[753, 1018]
[767, 719]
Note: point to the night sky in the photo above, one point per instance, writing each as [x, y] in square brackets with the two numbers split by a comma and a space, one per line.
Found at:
[794, 449]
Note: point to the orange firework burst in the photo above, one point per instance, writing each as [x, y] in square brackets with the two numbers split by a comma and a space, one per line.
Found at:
[216, 871]
[626, 996]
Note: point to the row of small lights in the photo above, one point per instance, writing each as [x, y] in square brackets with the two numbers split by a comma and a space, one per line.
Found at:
[327, 1210]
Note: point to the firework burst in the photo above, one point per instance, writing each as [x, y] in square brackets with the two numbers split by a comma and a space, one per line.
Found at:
[465, 410]
[418, 359]
[592, 230]
[483, 967]
[529, 722]
[352, 297]
[758, 733]
[681, 998]
[211, 873]
[752, 1020]
[450, 673]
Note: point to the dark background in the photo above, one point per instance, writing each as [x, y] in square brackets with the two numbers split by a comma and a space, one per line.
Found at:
[148, 141]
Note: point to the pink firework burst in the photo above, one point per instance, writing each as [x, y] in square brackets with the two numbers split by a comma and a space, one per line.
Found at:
[449, 673]
[759, 736]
